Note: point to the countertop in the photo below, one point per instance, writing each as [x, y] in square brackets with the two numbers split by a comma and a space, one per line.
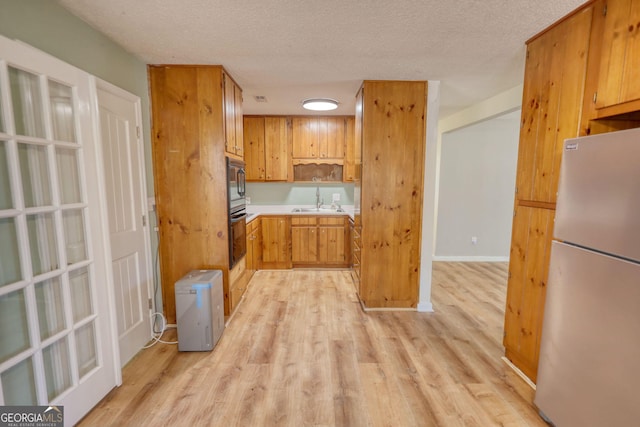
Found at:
[254, 211]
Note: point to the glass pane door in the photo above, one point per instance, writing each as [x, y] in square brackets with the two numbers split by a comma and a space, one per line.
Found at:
[52, 315]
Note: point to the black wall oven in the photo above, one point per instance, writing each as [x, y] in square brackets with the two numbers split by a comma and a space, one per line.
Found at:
[236, 185]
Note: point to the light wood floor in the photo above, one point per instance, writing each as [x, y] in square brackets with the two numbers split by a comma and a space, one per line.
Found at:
[300, 352]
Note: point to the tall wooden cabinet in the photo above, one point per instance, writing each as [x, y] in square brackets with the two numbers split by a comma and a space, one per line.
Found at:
[555, 76]
[390, 120]
[190, 118]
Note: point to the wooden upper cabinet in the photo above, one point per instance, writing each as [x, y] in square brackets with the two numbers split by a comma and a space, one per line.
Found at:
[237, 109]
[555, 73]
[349, 167]
[305, 137]
[331, 137]
[266, 146]
[254, 148]
[318, 137]
[276, 148]
[233, 122]
[619, 77]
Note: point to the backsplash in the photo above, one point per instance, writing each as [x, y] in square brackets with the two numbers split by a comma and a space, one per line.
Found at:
[284, 193]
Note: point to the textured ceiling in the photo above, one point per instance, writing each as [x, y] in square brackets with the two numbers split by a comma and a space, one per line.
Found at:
[290, 50]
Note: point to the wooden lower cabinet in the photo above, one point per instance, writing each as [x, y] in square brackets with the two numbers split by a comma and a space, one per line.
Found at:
[527, 286]
[333, 238]
[304, 240]
[239, 277]
[254, 245]
[318, 241]
[356, 243]
[276, 242]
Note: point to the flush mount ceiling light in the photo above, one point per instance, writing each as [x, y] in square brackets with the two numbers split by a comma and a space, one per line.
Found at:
[320, 104]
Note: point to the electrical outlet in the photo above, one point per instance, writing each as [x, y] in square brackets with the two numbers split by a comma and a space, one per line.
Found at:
[474, 240]
[335, 197]
[247, 200]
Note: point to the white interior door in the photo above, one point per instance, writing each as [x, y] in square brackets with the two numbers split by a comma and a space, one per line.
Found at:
[124, 180]
[56, 335]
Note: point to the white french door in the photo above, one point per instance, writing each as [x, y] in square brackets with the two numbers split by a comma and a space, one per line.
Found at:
[56, 340]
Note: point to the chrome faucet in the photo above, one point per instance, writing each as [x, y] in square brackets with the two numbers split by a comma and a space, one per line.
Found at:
[319, 201]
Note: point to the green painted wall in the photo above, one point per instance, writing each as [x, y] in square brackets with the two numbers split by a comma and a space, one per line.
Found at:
[277, 193]
[49, 27]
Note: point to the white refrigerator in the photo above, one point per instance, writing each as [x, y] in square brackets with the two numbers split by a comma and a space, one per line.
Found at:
[589, 369]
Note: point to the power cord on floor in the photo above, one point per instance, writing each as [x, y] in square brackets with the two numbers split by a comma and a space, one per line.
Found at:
[156, 336]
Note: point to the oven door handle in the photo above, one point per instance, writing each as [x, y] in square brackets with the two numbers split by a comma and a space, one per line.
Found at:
[241, 177]
[238, 217]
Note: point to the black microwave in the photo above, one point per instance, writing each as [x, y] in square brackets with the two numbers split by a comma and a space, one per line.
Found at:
[236, 183]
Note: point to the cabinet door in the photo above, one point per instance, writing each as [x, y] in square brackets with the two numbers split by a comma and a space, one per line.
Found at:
[355, 255]
[526, 286]
[229, 115]
[249, 256]
[348, 174]
[332, 245]
[254, 152]
[331, 137]
[305, 137]
[257, 246]
[238, 123]
[555, 72]
[276, 238]
[276, 146]
[304, 244]
[619, 78]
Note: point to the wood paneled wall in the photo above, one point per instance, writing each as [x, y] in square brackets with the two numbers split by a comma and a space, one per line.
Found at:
[393, 153]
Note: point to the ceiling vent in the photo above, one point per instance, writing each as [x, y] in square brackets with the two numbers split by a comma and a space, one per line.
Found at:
[260, 98]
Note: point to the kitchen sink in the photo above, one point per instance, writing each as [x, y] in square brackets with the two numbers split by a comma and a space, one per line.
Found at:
[320, 209]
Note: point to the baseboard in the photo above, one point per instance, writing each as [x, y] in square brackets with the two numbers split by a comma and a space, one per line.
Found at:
[445, 258]
[519, 373]
[425, 307]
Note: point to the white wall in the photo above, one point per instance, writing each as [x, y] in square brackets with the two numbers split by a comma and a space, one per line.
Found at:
[477, 179]
[504, 102]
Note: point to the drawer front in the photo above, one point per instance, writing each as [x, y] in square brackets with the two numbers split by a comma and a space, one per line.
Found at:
[303, 220]
[331, 220]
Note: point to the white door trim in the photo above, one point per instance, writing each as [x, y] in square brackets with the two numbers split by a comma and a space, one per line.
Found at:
[121, 93]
